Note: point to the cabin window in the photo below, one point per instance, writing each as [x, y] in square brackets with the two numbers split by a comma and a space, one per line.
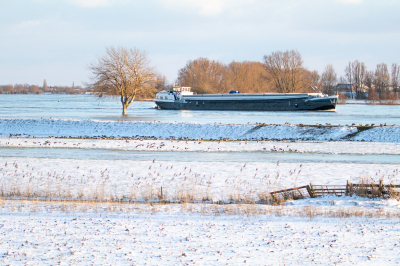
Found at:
[161, 97]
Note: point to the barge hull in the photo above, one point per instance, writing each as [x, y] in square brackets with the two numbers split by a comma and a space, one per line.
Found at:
[251, 105]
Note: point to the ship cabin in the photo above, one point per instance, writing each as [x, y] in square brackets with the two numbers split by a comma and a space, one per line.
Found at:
[182, 90]
[175, 93]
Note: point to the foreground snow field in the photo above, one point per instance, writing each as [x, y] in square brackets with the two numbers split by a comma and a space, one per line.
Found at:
[326, 231]
[34, 233]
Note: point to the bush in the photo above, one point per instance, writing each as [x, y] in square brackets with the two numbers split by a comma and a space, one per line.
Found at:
[342, 98]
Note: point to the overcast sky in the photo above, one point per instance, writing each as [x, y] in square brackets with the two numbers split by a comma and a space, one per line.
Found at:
[56, 39]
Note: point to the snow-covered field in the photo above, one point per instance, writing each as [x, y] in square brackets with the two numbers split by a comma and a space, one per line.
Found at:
[141, 180]
[165, 130]
[327, 231]
[328, 147]
[34, 233]
[206, 179]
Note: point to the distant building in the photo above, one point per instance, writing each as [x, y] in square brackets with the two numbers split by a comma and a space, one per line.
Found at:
[342, 87]
[352, 91]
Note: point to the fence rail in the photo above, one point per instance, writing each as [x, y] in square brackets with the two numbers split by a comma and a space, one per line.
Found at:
[295, 193]
[314, 191]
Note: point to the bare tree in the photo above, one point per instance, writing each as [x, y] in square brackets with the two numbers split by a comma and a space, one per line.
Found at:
[359, 71]
[8, 89]
[329, 80]
[209, 76]
[44, 85]
[285, 70]
[382, 80]
[246, 77]
[122, 73]
[369, 79]
[203, 75]
[342, 80]
[34, 89]
[395, 77]
[160, 83]
[26, 88]
[348, 72]
[18, 88]
[315, 78]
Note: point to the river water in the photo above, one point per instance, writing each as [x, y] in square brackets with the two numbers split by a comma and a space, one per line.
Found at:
[83, 107]
[189, 156]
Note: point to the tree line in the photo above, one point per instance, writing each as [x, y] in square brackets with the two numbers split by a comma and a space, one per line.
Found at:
[284, 72]
[128, 75]
[281, 72]
[375, 85]
[35, 89]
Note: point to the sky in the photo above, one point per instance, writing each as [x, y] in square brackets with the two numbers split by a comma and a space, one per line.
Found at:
[56, 40]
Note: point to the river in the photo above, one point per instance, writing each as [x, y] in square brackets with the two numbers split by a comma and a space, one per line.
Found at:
[84, 107]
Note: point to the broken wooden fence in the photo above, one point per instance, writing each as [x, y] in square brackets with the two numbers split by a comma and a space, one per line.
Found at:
[372, 190]
[314, 191]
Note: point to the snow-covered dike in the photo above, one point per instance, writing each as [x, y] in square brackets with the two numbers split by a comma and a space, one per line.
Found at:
[165, 130]
[33, 233]
[328, 147]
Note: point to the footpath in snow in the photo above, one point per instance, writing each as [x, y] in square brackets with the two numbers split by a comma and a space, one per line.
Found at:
[165, 130]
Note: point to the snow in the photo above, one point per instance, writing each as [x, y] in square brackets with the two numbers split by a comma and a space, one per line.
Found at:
[327, 230]
[380, 134]
[37, 233]
[141, 180]
[207, 179]
[390, 205]
[165, 130]
[331, 147]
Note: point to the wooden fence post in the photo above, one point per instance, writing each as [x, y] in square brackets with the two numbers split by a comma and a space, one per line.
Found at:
[349, 189]
[273, 197]
[381, 187]
[310, 190]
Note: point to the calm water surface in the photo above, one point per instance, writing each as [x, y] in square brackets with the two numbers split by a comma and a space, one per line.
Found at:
[97, 154]
[91, 107]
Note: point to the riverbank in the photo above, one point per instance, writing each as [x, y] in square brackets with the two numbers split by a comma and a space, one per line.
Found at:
[197, 131]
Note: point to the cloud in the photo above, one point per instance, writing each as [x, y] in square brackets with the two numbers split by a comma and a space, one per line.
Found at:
[203, 7]
[27, 25]
[92, 3]
[351, 1]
